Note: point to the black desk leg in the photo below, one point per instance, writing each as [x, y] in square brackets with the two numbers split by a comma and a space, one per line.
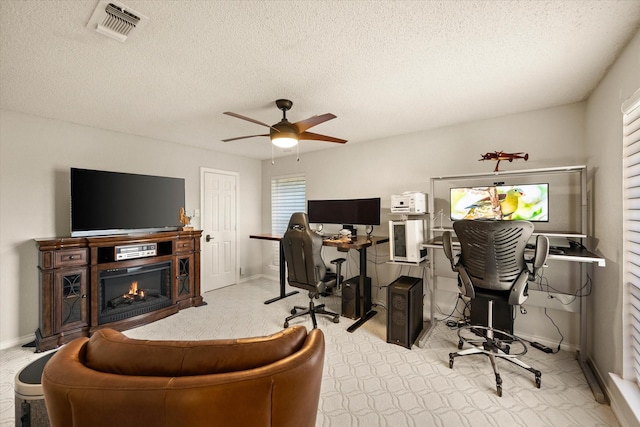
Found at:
[366, 293]
[283, 280]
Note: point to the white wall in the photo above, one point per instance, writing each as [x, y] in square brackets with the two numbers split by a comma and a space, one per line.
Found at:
[552, 137]
[35, 157]
[604, 150]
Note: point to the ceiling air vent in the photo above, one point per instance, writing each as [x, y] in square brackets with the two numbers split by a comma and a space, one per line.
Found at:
[115, 20]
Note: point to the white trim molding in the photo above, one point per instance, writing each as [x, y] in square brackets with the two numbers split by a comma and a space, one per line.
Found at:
[625, 401]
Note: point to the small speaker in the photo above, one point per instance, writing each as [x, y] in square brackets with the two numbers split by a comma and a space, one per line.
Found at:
[352, 297]
[404, 312]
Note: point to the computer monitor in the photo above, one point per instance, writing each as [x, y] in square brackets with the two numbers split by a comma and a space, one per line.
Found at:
[345, 211]
[528, 202]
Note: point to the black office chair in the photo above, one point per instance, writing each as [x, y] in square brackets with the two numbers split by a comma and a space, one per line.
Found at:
[306, 268]
[492, 266]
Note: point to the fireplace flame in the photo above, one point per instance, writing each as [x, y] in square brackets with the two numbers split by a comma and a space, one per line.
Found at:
[134, 293]
[133, 290]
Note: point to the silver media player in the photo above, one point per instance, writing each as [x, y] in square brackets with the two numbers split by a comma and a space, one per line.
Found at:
[135, 251]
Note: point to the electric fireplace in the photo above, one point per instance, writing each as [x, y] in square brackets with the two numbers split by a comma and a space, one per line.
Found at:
[129, 292]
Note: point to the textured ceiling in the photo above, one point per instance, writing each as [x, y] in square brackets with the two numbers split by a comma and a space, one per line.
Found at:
[383, 68]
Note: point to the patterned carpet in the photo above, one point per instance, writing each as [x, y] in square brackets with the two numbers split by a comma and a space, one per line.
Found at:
[368, 382]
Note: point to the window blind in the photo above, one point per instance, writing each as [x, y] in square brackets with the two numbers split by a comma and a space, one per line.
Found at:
[631, 231]
[288, 195]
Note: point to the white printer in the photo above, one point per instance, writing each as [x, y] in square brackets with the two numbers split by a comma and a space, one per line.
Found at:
[409, 202]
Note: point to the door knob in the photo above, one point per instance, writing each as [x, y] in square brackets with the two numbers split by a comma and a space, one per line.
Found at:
[208, 238]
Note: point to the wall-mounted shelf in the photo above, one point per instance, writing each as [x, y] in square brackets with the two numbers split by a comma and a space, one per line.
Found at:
[553, 170]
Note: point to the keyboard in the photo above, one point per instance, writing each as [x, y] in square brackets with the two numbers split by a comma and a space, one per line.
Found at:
[552, 250]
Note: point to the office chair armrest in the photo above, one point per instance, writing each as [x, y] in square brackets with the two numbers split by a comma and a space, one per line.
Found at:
[541, 254]
[464, 282]
[448, 248]
[520, 290]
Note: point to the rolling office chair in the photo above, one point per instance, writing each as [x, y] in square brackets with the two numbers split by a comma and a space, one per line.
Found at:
[306, 269]
[492, 266]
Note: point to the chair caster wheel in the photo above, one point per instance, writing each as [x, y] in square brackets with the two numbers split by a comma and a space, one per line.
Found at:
[460, 344]
[499, 385]
[538, 381]
[336, 319]
[293, 311]
[286, 325]
[451, 361]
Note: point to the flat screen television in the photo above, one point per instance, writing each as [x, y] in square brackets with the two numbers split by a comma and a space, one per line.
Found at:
[345, 211]
[107, 203]
[528, 202]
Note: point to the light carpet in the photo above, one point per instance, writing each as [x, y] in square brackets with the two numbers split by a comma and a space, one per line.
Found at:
[368, 382]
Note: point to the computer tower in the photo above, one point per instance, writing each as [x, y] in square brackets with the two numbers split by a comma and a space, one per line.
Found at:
[353, 297]
[502, 314]
[404, 310]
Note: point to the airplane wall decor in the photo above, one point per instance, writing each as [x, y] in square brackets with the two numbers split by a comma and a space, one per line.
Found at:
[501, 155]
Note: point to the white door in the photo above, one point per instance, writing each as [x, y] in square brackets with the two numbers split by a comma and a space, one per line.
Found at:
[219, 239]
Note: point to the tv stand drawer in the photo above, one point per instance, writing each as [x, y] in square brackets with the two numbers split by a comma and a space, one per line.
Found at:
[184, 246]
[69, 258]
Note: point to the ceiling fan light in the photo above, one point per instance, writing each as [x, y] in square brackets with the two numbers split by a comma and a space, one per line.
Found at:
[284, 141]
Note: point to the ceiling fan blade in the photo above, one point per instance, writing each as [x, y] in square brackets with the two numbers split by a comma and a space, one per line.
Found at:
[303, 125]
[243, 137]
[318, 137]
[249, 119]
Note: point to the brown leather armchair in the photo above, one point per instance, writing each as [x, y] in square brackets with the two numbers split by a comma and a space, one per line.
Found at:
[111, 380]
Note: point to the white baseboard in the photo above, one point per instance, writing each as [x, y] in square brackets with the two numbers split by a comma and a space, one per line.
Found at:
[249, 278]
[625, 401]
[258, 276]
[17, 342]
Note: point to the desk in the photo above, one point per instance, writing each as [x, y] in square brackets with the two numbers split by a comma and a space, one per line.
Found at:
[361, 243]
[572, 254]
[283, 281]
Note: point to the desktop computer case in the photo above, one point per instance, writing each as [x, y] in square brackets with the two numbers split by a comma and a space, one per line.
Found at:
[353, 297]
[404, 312]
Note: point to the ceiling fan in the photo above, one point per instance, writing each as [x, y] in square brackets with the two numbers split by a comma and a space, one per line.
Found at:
[285, 134]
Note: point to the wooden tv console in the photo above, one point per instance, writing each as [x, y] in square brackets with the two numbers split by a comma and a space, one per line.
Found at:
[69, 268]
